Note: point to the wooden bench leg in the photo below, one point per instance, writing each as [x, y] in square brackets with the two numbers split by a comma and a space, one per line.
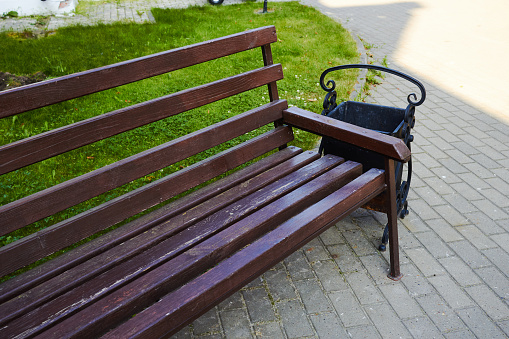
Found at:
[392, 219]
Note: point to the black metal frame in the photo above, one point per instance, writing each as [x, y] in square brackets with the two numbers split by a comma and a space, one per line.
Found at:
[402, 187]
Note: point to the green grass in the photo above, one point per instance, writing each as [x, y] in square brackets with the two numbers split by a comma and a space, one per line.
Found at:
[308, 43]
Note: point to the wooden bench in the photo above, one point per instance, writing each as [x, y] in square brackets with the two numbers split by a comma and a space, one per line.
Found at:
[158, 272]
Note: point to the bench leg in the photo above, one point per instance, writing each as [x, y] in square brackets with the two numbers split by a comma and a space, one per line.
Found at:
[392, 220]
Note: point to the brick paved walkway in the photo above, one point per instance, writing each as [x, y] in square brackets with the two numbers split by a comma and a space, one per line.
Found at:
[454, 243]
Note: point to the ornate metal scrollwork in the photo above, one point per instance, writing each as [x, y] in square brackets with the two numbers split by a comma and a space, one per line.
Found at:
[402, 186]
[329, 103]
[332, 84]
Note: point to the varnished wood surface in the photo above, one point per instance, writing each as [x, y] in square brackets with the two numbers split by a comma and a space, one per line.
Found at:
[69, 193]
[371, 140]
[43, 146]
[157, 273]
[180, 307]
[51, 91]
[56, 237]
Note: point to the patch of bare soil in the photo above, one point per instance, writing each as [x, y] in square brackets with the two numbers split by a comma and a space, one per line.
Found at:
[8, 80]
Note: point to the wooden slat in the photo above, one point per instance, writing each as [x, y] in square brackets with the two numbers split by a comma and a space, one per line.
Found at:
[377, 142]
[48, 92]
[204, 255]
[67, 232]
[171, 312]
[212, 213]
[39, 274]
[45, 145]
[59, 197]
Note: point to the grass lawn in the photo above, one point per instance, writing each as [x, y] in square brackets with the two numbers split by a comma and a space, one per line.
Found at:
[308, 43]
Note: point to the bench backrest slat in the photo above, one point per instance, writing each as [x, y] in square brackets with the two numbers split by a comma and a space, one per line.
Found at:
[69, 193]
[52, 91]
[43, 146]
[67, 232]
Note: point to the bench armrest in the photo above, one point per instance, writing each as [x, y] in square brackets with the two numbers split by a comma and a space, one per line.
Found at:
[386, 145]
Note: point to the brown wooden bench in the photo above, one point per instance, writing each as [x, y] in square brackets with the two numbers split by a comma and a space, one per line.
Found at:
[157, 273]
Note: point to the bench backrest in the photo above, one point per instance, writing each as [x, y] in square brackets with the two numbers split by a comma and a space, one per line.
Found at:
[19, 154]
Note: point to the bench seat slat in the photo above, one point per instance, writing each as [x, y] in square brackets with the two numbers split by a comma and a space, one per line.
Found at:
[65, 233]
[202, 256]
[75, 85]
[45, 145]
[174, 310]
[69, 193]
[213, 212]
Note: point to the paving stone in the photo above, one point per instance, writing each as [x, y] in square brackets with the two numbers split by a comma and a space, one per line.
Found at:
[459, 202]
[363, 332]
[235, 324]
[459, 156]
[474, 181]
[270, 330]
[480, 324]
[345, 258]
[328, 325]
[440, 313]
[472, 257]
[465, 334]
[184, 333]
[313, 296]
[259, 305]
[257, 282]
[484, 223]
[377, 267]
[387, 322]
[452, 294]
[348, 308]
[332, 237]
[298, 266]
[504, 325]
[316, 252]
[359, 243]
[415, 281]
[463, 274]
[452, 216]
[232, 302]
[467, 191]
[364, 288]
[502, 240]
[209, 322]
[495, 212]
[423, 210]
[428, 265]
[413, 223]
[279, 285]
[422, 327]
[479, 170]
[349, 223]
[476, 237]
[498, 257]
[329, 275]
[401, 301]
[444, 230]
[497, 198]
[435, 245]
[430, 196]
[294, 319]
[497, 281]
[488, 301]
[439, 185]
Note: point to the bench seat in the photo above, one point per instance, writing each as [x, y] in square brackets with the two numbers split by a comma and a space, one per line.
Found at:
[165, 250]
